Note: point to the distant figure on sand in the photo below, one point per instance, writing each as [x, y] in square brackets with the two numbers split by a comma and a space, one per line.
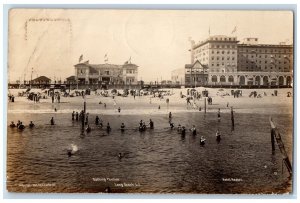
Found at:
[119, 109]
[158, 106]
[73, 115]
[52, 121]
[105, 105]
[219, 115]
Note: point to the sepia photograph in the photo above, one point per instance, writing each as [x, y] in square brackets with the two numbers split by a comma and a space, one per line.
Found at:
[146, 101]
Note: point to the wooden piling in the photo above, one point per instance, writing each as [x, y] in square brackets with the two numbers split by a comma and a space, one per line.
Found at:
[232, 119]
[275, 134]
[205, 105]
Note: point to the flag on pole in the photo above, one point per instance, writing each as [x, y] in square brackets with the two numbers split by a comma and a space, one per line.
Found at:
[209, 31]
[129, 60]
[80, 58]
[105, 58]
[234, 30]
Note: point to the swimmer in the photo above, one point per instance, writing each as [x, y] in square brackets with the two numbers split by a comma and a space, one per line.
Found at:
[170, 115]
[144, 126]
[107, 190]
[108, 129]
[76, 116]
[119, 109]
[141, 122]
[219, 115]
[55, 109]
[120, 156]
[97, 120]
[12, 124]
[86, 119]
[73, 114]
[21, 126]
[122, 127]
[179, 128]
[183, 131]
[88, 129]
[18, 123]
[202, 141]
[69, 153]
[31, 124]
[218, 135]
[193, 130]
[151, 124]
[171, 126]
[158, 106]
[100, 123]
[52, 121]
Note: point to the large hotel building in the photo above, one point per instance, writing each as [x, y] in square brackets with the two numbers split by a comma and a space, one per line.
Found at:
[223, 60]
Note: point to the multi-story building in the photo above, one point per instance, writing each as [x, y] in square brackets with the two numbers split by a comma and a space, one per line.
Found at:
[268, 64]
[225, 61]
[86, 73]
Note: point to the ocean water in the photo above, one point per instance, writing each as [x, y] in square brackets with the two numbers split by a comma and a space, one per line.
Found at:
[158, 160]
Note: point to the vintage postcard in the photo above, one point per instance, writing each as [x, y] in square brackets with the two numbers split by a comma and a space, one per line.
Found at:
[150, 101]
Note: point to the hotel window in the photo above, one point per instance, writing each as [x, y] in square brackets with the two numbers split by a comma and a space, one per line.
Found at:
[223, 46]
[217, 58]
[228, 58]
[218, 64]
[222, 58]
[212, 58]
[265, 56]
[212, 64]
[228, 52]
[217, 46]
[218, 52]
[232, 58]
[212, 52]
[106, 72]
[223, 52]
[233, 52]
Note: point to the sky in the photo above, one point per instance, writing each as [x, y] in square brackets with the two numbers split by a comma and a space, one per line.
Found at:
[52, 40]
